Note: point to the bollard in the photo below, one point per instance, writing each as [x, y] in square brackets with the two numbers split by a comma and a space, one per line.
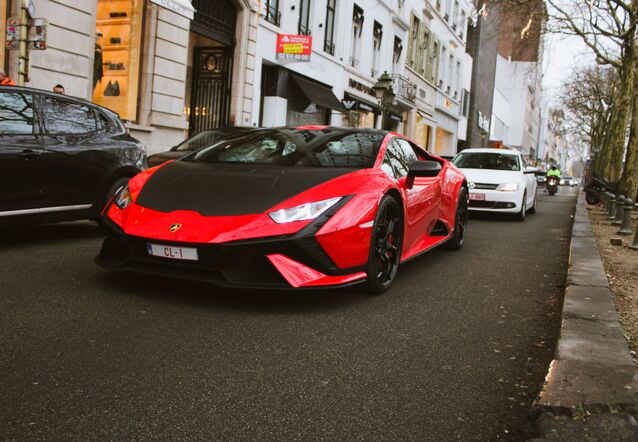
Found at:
[620, 202]
[625, 228]
[611, 209]
[605, 196]
[634, 245]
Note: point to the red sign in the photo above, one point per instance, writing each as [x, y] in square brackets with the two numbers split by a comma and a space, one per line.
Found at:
[293, 47]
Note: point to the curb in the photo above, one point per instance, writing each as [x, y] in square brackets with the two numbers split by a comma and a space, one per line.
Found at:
[591, 387]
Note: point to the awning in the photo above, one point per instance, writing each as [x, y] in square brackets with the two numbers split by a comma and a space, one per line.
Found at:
[181, 7]
[318, 93]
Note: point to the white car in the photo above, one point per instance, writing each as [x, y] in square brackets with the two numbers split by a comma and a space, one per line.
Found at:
[498, 181]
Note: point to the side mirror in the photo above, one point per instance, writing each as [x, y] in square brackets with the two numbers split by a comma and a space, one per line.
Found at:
[530, 169]
[424, 169]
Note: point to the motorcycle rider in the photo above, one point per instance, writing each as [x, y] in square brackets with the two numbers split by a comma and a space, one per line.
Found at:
[552, 172]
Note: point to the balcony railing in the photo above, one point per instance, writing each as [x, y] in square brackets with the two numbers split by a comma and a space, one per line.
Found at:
[403, 87]
[273, 15]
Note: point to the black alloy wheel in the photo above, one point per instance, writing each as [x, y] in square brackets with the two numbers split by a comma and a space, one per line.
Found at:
[385, 246]
[457, 239]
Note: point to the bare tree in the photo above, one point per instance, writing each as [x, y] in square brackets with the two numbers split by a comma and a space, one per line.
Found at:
[608, 28]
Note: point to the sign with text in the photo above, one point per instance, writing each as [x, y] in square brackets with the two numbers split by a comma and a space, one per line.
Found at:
[293, 47]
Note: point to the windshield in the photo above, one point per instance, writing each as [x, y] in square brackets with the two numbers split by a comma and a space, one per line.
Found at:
[487, 160]
[202, 139]
[342, 148]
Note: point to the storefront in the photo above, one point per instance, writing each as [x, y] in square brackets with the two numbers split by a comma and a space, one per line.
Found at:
[164, 67]
[424, 130]
[289, 98]
[116, 62]
[359, 113]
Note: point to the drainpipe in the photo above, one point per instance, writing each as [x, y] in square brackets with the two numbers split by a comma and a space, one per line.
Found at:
[23, 56]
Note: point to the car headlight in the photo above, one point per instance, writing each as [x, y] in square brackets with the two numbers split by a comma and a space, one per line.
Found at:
[303, 212]
[507, 187]
[123, 198]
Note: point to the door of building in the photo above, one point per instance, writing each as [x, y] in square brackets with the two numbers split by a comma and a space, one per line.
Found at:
[210, 96]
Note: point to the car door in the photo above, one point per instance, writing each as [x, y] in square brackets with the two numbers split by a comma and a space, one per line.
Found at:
[422, 199]
[76, 164]
[20, 154]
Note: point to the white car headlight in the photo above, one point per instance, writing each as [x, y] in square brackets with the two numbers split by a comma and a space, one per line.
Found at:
[507, 187]
[303, 212]
[123, 198]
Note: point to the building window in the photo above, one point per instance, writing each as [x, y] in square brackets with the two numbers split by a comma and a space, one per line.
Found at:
[455, 15]
[413, 43]
[304, 17]
[377, 37]
[328, 42]
[463, 25]
[422, 57]
[398, 49]
[443, 69]
[465, 103]
[357, 28]
[272, 12]
[450, 74]
[116, 68]
[434, 59]
[457, 79]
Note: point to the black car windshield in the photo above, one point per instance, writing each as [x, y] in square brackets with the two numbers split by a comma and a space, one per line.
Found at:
[487, 160]
[329, 147]
[202, 139]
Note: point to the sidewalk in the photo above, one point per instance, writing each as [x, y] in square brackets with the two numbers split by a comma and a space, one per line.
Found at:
[591, 389]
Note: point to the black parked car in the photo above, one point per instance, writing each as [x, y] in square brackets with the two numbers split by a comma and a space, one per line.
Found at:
[203, 139]
[61, 158]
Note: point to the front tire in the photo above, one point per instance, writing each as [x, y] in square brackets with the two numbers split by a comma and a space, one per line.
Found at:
[457, 240]
[520, 216]
[385, 246]
[533, 208]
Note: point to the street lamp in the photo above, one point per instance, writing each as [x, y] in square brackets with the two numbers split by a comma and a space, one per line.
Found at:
[385, 95]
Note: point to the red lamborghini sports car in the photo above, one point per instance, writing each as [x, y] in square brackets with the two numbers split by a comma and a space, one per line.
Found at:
[299, 207]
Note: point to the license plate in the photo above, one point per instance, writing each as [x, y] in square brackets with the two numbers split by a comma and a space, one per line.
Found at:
[477, 196]
[171, 252]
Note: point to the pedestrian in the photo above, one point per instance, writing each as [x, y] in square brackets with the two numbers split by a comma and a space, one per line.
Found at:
[58, 89]
[5, 80]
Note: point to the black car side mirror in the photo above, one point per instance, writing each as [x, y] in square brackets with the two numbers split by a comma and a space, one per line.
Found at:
[422, 169]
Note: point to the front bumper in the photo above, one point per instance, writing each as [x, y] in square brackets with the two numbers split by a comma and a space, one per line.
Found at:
[497, 201]
[291, 261]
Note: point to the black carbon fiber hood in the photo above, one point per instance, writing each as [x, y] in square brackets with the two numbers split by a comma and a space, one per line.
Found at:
[228, 189]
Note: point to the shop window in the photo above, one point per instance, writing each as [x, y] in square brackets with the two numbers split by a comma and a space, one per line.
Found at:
[328, 40]
[64, 117]
[117, 55]
[16, 114]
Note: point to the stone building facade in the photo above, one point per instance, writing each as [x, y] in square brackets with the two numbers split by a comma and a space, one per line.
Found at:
[139, 58]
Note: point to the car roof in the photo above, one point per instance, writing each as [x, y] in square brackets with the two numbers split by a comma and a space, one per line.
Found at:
[76, 100]
[491, 150]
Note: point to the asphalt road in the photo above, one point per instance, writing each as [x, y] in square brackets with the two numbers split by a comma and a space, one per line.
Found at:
[456, 350]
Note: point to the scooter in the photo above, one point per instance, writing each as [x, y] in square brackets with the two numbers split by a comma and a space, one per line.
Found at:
[552, 185]
[595, 187]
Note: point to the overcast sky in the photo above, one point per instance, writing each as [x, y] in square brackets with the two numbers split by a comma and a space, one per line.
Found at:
[562, 53]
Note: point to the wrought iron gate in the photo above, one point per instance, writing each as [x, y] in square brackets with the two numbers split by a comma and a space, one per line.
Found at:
[210, 95]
